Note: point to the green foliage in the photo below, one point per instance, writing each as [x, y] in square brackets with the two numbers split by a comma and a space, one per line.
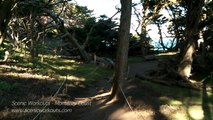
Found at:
[78, 14]
[31, 19]
[25, 7]
[100, 37]
[7, 86]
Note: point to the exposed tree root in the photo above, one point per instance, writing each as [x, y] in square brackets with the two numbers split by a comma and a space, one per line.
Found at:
[171, 82]
[166, 74]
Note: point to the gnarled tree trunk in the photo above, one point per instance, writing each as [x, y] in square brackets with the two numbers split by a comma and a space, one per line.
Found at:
[84, 55]
[191, 35]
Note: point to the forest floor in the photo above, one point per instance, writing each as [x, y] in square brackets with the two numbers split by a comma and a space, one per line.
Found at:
[87, 100]
[149, 101]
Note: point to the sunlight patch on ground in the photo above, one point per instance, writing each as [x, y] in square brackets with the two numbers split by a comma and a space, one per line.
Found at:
[65, 67]
[42, 77]
[3, 67]
[71, 77]
[175, 102]
[173, 112]
[171, 102]
[196, 112]
[210, 93]
[167, 53]
[24, 75]
[144, 114]
[125, 114]
[139, 113]
[179, 115]
[181, 104]
[53, 67]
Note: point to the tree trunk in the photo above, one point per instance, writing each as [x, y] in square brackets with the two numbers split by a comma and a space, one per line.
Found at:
[161, 37]
[143, 41]
[191, 35]
[81, 49]
[5, 15]
[73, 40]
[123, 45]
[32, 35]
[2, 36]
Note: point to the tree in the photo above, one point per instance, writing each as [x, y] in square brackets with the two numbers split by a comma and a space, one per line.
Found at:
[123, 45]
[206, 48]
[5, 15]
[176, 29]
[26, 23]
[159, 20]
[150, 9]
[68, 35]
[32, 19]
[102, 39]
[193, 17]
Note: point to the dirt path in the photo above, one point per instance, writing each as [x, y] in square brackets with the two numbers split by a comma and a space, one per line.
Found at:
[147, 103]
[116, 110]
[137, 68]
[96, 95]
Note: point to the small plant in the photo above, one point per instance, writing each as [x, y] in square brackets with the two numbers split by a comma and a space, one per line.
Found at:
[7, 86]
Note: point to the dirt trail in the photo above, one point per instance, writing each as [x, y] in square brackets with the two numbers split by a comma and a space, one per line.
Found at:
[96, 95]
[117, 110]
[137, 68]
[147, 103]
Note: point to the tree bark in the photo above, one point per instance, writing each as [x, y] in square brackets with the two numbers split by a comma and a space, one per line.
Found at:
[5, 15]
[191, 34]
[123, 45]
[31, 34]
[143, 42]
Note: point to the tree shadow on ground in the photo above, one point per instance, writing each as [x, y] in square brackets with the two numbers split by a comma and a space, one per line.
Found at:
[162, 100]
[102, 109]
[166, 100]
[145, 97]
[18, 89]
[205, 105]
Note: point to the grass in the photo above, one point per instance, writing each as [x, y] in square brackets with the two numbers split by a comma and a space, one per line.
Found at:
[138, 59]
[135, 59]
[22, 80]
[58, 68]
[188, 104]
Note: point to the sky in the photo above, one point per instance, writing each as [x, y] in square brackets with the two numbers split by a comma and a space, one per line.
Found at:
[108, 7]
[100, 7]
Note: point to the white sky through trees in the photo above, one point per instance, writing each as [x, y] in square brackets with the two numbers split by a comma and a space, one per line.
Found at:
[108, 7]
